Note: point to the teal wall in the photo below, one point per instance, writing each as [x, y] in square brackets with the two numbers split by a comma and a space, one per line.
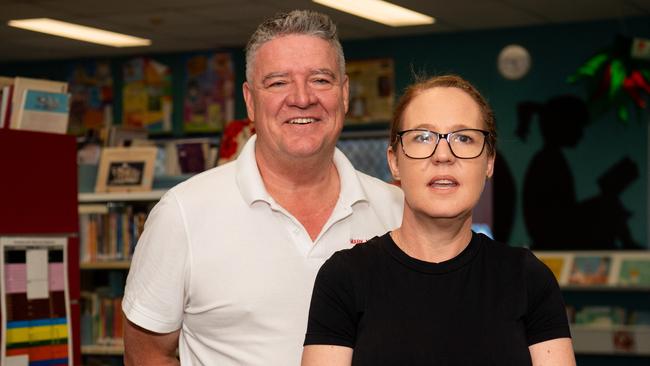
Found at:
[557, 51]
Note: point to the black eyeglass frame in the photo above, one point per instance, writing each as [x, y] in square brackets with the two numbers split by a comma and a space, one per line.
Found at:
[445, 136]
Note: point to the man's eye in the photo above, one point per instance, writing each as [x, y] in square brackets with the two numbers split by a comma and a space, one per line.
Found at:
[322, 81]
[276, 84]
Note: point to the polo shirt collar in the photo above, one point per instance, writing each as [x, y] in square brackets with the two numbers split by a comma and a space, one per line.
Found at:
[252, 187]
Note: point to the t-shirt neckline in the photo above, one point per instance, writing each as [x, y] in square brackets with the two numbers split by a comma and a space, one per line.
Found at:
[463, 258]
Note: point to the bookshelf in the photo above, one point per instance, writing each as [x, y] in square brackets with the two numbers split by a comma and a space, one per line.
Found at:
[608, 299]
[104, 263]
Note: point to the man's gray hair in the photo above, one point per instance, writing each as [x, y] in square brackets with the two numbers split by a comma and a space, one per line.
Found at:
[303, 22]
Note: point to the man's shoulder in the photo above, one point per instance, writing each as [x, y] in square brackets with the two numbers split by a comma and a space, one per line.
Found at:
[377, 187]
[211, 181]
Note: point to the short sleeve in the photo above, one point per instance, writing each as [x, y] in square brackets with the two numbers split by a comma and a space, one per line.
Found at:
[332, 315]
[546, 317]
[154, 296]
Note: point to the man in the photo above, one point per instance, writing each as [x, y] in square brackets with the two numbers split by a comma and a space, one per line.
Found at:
[226, 264]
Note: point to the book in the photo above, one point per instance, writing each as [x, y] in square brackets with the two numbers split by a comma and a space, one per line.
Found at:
[192, 157]
[634, 271]
[44, 111]
[558, 263]
[22, 84]
[4, 103]
[590, 270]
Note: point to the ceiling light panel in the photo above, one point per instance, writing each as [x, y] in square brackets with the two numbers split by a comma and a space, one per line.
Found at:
[79, 32]
[379, 11]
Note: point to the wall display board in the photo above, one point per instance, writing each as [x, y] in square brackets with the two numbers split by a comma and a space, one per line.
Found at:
[147, 95]
[209, 101]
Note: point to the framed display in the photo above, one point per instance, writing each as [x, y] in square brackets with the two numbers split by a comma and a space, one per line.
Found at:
[372, 91]
[126, 169]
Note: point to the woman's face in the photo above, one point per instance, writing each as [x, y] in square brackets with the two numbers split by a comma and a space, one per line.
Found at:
[441, 186]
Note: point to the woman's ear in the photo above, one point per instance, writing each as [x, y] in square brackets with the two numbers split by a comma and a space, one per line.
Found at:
[391, 157]
[490, 165]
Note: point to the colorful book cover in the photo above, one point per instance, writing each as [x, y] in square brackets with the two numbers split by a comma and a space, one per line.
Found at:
[147, 95]
[91, 102]
[209, 92]
[555, 264]
[590, 270]
[191, 157]
[634, 272]
[45, 111]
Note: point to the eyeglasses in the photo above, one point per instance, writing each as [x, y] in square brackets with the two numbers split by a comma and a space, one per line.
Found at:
[421, 143]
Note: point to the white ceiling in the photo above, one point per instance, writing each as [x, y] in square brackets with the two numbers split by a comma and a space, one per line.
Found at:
[183, 25]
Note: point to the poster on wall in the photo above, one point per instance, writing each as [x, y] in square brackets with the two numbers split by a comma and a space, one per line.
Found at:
[147, 95]
[372, 91]
[90, 86]
[35, 301]
[208, 102]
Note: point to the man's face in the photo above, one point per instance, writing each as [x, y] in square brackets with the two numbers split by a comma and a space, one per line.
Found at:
[297, 97]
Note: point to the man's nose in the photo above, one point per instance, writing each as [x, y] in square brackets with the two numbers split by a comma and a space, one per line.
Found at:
[301, 96]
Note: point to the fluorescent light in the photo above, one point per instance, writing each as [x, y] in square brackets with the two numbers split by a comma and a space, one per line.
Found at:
[79, 32]
[379, 11]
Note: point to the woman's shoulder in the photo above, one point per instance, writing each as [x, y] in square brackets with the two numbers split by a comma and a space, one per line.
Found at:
[361, 254]
[520, 258]
[507, 255]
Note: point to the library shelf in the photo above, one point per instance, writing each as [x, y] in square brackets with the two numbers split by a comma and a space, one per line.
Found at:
[105, 265]
[608, 339]
[121, 196]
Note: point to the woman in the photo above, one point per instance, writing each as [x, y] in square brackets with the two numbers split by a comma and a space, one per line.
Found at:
[433, 292]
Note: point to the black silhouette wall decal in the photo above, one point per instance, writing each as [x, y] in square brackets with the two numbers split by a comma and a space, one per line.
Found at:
[504, 192]
[554, 218]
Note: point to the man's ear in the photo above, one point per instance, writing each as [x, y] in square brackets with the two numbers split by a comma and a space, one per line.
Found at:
[248, 98]
[391, 157]
[346, 92]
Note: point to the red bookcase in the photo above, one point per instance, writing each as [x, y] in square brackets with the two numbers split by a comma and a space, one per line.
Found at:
[38, 196]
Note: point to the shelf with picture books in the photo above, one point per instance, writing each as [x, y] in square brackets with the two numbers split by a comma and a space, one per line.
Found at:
[608, 299]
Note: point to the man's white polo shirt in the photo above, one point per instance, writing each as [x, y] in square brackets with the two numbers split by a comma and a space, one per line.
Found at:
[220, 259]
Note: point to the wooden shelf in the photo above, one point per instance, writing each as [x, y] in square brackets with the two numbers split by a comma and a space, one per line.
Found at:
[123, 264]
[154, 195]
[102, 350]
[619, 288]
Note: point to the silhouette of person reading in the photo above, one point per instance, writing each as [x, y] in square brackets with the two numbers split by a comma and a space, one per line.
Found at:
[553, 216]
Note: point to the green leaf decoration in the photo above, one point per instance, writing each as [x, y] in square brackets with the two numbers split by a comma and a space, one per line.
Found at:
[590, 68]
[617, 78]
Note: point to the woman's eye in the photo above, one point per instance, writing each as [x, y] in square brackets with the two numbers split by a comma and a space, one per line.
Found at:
[423, 137]
[463, 139]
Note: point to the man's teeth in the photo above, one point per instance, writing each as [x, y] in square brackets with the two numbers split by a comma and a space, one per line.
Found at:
[301, 121]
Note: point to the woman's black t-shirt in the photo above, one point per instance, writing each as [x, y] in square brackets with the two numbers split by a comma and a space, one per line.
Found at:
[483, 307]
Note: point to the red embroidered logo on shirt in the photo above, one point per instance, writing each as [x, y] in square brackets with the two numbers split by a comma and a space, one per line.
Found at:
[357, 241]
